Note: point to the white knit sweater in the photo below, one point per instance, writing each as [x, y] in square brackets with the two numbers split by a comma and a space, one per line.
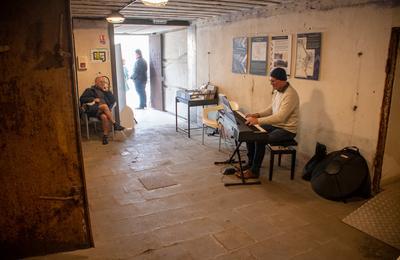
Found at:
[287, 114]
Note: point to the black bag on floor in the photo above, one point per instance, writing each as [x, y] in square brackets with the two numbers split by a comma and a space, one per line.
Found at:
[341, 175]
[320, 154]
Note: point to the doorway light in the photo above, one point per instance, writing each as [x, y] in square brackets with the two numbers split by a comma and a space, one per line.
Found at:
[156, 3]
[115, 17]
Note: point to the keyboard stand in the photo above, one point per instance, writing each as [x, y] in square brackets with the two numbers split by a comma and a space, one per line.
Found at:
[232, 160]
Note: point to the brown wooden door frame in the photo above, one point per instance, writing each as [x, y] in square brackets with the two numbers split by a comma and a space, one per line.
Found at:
[385, 109]
[75, 104]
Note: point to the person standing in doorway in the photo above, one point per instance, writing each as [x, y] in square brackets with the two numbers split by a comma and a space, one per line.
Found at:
[126, 75]
[139, 77]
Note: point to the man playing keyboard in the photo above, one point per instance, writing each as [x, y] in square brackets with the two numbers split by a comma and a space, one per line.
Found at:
[279, 120]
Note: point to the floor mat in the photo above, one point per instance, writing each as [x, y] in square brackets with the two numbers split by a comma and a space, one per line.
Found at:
[380, 216]
[157, 181]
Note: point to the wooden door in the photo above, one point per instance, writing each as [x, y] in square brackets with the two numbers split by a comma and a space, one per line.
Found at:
[43, 202]
[156, 86]
[120, 78]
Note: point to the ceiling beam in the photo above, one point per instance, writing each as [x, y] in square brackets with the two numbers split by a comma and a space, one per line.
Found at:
[175, 9]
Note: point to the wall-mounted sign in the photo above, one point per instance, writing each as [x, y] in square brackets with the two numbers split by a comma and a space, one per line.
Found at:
[82, 62]
[281, 52]
[102, 39]
[99, 55]
[239, 59]
[308, 56]
[258, 57]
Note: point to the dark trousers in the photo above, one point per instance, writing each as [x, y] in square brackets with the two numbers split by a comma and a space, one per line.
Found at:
[140, 87]
[256, 150]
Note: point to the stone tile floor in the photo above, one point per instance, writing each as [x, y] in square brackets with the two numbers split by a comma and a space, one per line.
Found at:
[199, 218]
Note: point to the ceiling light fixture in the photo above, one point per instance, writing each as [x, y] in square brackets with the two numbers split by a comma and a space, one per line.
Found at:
[157, 3]
[115, 17]
[159, 21]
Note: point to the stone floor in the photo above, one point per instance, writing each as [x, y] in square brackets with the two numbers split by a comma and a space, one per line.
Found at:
[199, 218]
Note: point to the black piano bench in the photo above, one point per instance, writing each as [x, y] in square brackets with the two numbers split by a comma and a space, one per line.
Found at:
[286, 147]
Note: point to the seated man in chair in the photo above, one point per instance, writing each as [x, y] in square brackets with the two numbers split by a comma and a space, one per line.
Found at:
[97, 102]
[279, 120]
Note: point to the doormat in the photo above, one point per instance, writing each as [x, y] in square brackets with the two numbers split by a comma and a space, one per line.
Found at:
[380, 216]
[154, 181]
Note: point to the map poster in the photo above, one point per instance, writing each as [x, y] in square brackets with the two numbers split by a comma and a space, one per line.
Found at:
[281, 53]
[258, 57]
[308, 56]
[239, 59]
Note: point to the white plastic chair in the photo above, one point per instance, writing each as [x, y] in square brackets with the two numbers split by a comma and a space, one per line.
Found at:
[210, 119]
[94, 120]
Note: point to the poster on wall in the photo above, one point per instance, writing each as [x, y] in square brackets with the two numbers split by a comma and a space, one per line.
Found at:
[281, 53]
[99, 55]
[308, 56]
[239, 59]
[258, 55]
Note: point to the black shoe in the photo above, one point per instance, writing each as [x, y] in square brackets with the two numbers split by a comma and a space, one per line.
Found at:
[118, 127]
[245, 167]
[105, 139]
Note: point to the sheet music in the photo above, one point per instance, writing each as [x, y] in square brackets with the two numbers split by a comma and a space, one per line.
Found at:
[257, 126]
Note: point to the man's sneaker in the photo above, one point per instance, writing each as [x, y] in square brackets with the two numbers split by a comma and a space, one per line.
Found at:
[105, 139]
[247, 174]
[118, 127]
[246, 167]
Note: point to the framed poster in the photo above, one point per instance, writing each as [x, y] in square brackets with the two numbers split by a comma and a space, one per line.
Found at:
[281, 53]
[258, 55]
[98, 55]
[308, 55]
[239, 59]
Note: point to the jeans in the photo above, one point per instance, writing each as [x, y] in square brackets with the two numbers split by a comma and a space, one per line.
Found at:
[140, 87]
[256, 150]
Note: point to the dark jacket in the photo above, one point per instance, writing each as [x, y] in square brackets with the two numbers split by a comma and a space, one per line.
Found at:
[140, 70]
[91, 93]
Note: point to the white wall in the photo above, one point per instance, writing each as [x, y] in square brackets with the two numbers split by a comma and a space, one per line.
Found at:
[87, 37]
[326, 106]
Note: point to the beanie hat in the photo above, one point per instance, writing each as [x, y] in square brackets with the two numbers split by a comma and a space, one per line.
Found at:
[279, 74]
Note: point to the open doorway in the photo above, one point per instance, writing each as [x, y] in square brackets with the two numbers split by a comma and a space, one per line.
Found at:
[164, 47]
[129, 43]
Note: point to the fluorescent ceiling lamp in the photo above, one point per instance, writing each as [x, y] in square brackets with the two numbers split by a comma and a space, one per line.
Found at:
[115, 17]
[160, 21]
[155, 2]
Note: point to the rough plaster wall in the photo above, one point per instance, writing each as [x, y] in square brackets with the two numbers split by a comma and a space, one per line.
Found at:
[39, 145]
[175, 66]
[396, 17]
[391, 159]
[87, 37]
[326, 105]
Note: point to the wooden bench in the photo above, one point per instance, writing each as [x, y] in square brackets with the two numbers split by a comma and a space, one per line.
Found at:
[286, 147]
